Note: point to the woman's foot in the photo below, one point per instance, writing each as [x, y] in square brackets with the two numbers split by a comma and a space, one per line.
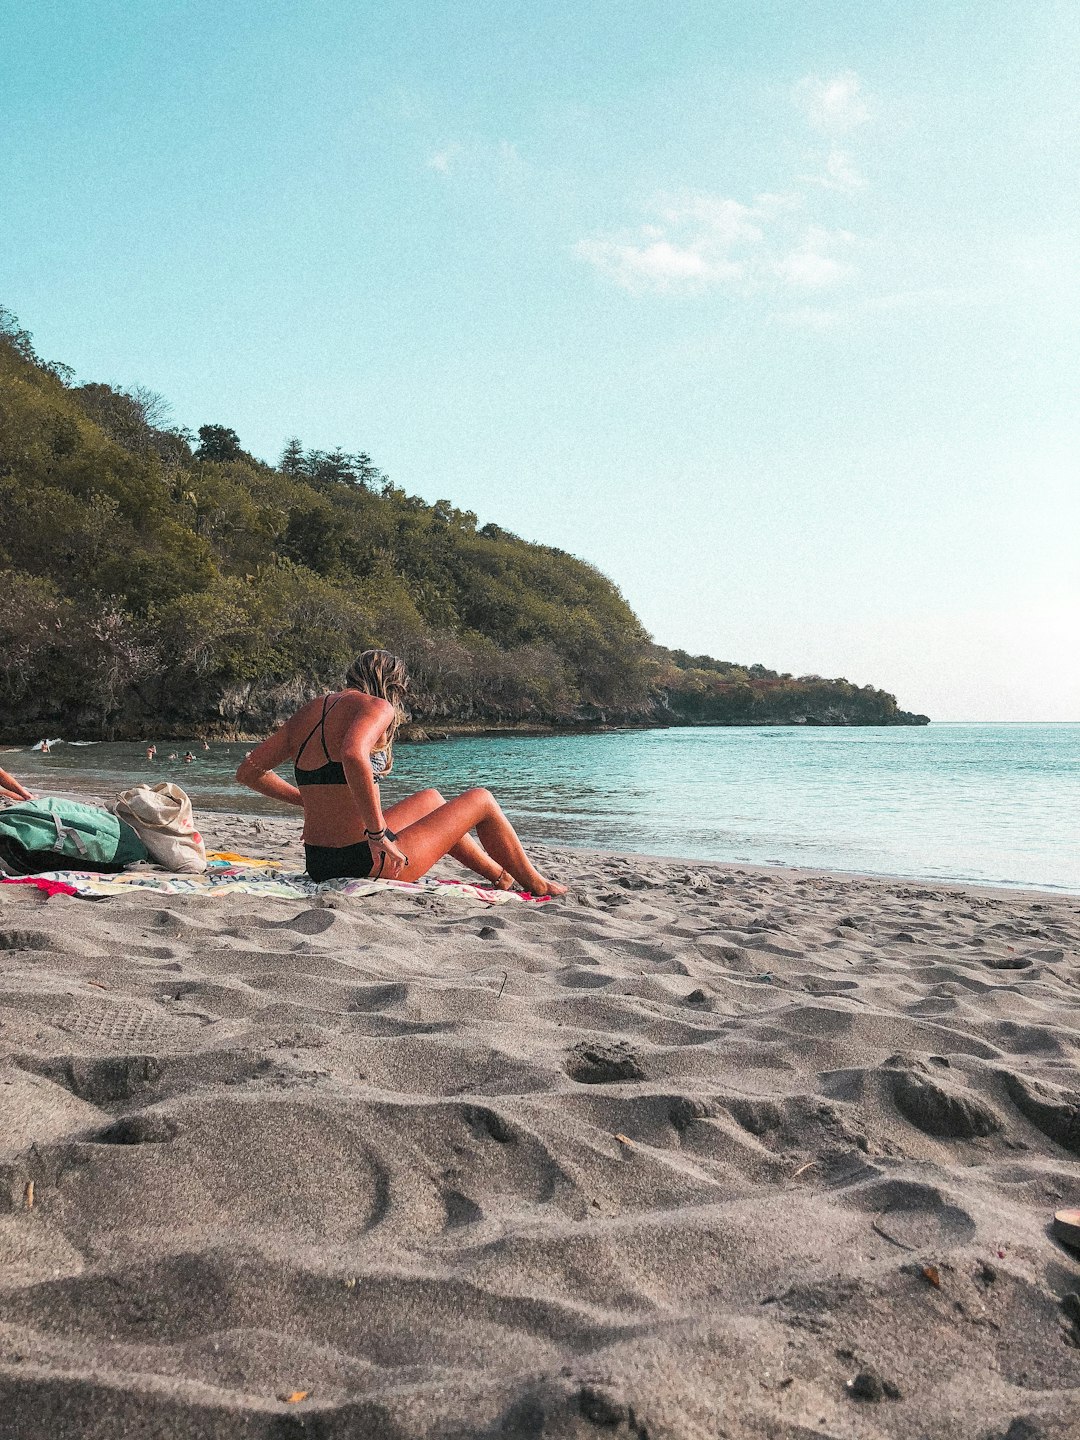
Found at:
[540, 887]
[549, 888]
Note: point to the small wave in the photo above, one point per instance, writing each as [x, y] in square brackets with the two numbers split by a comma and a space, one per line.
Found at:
[82, 744]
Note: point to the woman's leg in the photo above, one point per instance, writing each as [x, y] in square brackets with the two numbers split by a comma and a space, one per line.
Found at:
[436, 834]
[466, 852]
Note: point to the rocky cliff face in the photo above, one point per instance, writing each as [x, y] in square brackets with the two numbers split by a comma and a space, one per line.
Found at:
[252, 710]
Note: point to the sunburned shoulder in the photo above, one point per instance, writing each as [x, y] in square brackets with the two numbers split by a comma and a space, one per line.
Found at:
[361, 701]
[346, 708]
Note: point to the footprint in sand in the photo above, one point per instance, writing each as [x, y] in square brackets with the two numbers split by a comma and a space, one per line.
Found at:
[103, 1081]
[30, 940]
[913, 1215]
[147, 1127]
[603, 1063]
[488, 1124]
[1054, 1111]
[936, 1105]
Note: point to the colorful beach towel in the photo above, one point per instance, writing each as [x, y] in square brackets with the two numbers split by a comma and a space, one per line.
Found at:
[222, 878]
[230, 857]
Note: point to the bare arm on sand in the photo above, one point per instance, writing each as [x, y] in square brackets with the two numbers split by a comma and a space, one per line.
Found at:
[10, 788]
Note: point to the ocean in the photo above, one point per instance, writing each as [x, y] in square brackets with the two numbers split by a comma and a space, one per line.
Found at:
[992, 803]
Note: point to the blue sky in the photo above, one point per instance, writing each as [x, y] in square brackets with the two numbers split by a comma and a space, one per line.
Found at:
[770, 310]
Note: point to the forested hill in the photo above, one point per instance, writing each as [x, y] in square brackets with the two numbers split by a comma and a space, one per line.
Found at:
[158, 581]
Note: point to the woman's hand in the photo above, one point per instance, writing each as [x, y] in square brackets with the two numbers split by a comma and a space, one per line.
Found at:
[12, 789]
[256, 770]
[388, 860]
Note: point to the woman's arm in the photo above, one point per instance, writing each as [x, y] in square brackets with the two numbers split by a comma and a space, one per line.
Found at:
[363, 733]
[256, 770]
[363, 730]
[11, 789]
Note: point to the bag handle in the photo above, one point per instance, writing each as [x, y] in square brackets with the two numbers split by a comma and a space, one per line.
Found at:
[62, 830]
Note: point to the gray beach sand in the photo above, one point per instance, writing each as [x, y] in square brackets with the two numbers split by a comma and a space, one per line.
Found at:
[700, 1151]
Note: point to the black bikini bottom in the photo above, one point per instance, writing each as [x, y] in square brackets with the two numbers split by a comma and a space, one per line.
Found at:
[338, 862]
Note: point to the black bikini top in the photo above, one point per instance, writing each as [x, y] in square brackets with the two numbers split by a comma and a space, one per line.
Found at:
[333, 772]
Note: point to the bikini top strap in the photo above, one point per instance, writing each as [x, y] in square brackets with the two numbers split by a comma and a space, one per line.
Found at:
[322, 726]
[319, 725]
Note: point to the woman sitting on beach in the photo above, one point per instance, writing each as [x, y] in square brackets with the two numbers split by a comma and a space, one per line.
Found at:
[339, 745]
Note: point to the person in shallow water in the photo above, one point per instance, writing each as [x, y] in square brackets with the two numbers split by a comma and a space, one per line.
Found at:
[339, 745]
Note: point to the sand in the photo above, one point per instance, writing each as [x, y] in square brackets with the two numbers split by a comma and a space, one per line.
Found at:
[700, 1151]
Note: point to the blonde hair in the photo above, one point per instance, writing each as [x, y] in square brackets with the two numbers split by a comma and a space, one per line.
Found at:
[381, 673]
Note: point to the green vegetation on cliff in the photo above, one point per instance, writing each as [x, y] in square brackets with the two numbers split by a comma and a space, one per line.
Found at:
[157, 580]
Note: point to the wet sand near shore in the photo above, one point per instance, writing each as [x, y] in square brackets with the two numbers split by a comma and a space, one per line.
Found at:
[698, 1151]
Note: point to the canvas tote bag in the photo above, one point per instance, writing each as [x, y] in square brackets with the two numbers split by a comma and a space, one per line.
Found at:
[161, 817]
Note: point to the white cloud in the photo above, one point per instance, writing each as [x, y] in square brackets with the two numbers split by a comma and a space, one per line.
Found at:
[443, 160]
[477, 157]
[657, 265]
[811, 264]
[701, 240]
[695, 240]
[834, 105]
[840, 173]
[806, 267]
[722, 222]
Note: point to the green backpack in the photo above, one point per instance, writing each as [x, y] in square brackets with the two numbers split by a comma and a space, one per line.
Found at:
[37, 835]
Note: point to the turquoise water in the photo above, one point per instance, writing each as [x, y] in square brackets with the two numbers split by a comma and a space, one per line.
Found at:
[998, 804]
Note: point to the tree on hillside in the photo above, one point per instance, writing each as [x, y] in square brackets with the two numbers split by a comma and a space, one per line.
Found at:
[130, 417]
[218, 442]
[22, 343]
[292, 457]
[331, 467]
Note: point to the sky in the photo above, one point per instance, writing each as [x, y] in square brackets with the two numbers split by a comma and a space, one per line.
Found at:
[769, 310]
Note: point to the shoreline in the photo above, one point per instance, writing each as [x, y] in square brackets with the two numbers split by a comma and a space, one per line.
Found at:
[1004, 889]
[698, 1136]
[1001, 889]
[438, 731]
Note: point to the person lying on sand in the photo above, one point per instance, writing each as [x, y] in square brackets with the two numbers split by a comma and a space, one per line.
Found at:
[339, 745]
[10, 789]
